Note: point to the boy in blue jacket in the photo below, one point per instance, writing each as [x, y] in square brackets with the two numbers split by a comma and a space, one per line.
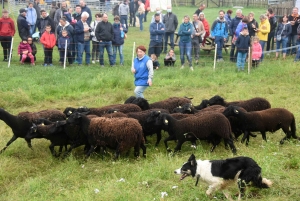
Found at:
[242, 44]
[62, 40]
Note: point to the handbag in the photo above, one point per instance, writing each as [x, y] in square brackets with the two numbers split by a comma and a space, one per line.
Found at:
[278, 36]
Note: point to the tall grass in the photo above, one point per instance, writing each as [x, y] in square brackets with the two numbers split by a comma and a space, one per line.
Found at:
[35, 175]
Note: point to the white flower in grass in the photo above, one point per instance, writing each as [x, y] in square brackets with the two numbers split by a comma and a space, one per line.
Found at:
[173, 187]
[96, 190]
[82, 166]
[121, 180]
[163, 194]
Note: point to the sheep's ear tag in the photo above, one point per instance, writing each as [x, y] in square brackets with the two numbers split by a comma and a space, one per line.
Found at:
[179, 106]
[159, 111]
[166, 121]
[43, 124]
[236, 111]
[70, 112]
[115, 111]
[185, 135]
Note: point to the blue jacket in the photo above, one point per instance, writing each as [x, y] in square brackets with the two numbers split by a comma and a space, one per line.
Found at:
[62, 41]
[219, 28]
[185, 31]
[68, 28]
[156, 34]
[233, 25]
[243, 43]
[88, 10]
[141, 71]
[117, 39]
[283, 30]
[31, 16]
[239, 28]
[228, 19]
[78, 32]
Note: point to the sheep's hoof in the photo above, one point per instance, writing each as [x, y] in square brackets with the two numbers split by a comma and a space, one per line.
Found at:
[281, 141]
[194, 146]
[169, 150]
[171, 154]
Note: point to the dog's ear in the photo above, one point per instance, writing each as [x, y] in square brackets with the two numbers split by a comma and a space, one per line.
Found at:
[192, 159]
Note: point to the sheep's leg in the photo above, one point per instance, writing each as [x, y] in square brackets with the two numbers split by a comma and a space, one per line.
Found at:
[171, 137]
[117, 153]
[143, 147]
[29, 143]
[9, 142]
[90, 151]
[51, 147]
[179, 144]
[242, 187]
[232, 147]
[158, 138]
[263, 133]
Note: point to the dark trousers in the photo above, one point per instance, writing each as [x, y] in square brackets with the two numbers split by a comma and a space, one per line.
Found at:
[255, 63]
[145, 16]
[48, 55]
[155, 47]
[62, 55]
[95, 50]
[6, 43]
[169, 62]
[132, 19]
[270, 39]
[233, 55]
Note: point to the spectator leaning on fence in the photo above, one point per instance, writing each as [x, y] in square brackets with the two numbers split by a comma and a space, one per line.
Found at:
[31, 17]
[44, 21]
[294, 20]
[95, 42]
[273, 25]
[219, 32]
[157, 32]
[105, 33]
[197, 37]
[23, 27]
[185, 45]
[124, 12]
[282, 33]
[263, 31]
[7, 31]
[171, 22]
[118, 39]
[82, 37]
[85, 8]
[233, 25]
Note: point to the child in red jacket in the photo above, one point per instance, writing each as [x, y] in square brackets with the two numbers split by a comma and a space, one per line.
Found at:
[25, 51]
[49, 41]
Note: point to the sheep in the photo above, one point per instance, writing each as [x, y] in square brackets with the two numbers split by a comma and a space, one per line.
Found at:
[266, 120]
[48, 130]
[210, 126]
[203, 104]
[117, 133]
[125, 108]
[188, 108]
[253, 104]
[21, 123]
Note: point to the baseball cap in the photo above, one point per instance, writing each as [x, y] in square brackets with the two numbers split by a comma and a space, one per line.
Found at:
[22, 10]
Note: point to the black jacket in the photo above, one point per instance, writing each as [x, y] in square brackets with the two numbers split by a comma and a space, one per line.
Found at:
[23, 27]
[243, 43]
[273, 23]
[252, 30]
[104, 31]
[43, 22]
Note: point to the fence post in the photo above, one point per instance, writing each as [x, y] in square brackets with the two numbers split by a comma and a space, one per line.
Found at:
[10, 52]
[215, 56]
[132, 63]
[65, 56]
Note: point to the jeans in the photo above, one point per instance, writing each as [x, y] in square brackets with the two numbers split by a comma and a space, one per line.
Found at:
[270, 37]
[219, 40]
[139, 90]
[123, 20]
[83, 47]
[141, 17]
[107, 45]
[31, 29]
[283, 41]
[185, 48]
[107, 6]
[241, 59]
[120, 49]
[196, 47]
[95, 50]
[155, 47]
[171, 36]
[6, 43]
[297, 58]
[292, 42]
[262, 44]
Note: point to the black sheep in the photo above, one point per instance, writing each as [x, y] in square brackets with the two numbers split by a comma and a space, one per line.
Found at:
[253, 104]
[209, 126]
[262, 121]
[21, 123]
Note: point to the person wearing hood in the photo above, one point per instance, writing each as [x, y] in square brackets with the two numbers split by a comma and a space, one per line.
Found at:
[273, 25]
[206, 28]
[64, 25]
[124, 12]
[84, 8]
[263, 31]
[31, 17]
[242, 45]
[23, 27]
[118, 39]
[44, 21]
[171, 22]
[219, 32]
[7, 31]
[232, 28]
[185, 45]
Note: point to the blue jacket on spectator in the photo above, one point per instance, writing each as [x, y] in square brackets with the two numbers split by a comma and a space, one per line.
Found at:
[228, 19]
[233, 25]
[156, 32]
[62, 42]
[117, 39]
[219, 28]
[239, 28]
[31, 16]
[78, 32]
[185, 31]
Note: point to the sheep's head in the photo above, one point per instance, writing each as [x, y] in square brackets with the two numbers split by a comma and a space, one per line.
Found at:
[152, 116]
[204, 103]
[231, 111]
[142, 103]
[216, 100]
[74, 118]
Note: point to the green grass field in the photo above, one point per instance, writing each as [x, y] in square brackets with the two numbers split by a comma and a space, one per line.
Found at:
[35, 175]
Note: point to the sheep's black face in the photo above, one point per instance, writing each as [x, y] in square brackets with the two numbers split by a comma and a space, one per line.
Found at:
[142, 103]
[74, 118]
[216, 100]
[69, 110]
[203, 104]
[152, 116]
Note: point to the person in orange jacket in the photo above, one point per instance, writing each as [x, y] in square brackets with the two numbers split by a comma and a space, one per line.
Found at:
[49, 41]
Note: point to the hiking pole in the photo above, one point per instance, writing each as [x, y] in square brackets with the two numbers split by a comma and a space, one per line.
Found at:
[10, 52]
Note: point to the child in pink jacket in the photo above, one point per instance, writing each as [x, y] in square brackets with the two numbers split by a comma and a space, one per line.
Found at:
[24, 50]
[256, 52]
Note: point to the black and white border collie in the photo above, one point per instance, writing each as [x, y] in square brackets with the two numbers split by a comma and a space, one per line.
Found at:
[219, 174]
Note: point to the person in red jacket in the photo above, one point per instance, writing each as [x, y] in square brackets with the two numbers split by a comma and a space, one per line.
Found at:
[49, 41]
[206, 27]
[147, 9]
[7, 31]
